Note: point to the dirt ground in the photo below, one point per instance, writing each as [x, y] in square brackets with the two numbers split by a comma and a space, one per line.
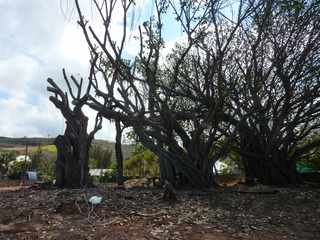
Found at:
[141, 214]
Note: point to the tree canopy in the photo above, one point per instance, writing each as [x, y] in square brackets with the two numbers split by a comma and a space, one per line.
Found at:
[244, 74]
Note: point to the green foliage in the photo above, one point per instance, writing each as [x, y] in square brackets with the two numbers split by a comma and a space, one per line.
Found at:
[311, 161]
[49, 148]
[228, 165]
[99, 157]
[293, 5]
[5, 158]
[43, 160]
[109, 176]
[36, 157]
[46, 169]
[18, 168]
[143, 162]
[299, 7]
[131, 136]
[230, 160]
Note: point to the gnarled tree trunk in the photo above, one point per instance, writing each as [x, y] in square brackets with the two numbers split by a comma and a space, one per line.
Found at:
[72, 154]
[72, 169]
[267, 167]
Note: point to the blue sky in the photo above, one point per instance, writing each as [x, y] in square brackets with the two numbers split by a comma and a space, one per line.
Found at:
[31, 49]
[4, 94]
[37, 39]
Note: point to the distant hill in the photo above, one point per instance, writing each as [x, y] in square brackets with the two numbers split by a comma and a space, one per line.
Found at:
[127, 149]
[24, 141]
[14, 143]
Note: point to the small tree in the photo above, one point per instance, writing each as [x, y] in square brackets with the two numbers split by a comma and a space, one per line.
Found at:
[142, 162]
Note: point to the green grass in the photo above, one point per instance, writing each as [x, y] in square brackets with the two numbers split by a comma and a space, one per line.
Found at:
[49, 148]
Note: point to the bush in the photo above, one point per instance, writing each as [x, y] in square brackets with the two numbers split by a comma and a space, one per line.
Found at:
[46, 169]
[109, 176]
[5, 158]
[49, 148]
[142, 162]
[17, 169]
[229, 166]
[43, 161]
[99, 157]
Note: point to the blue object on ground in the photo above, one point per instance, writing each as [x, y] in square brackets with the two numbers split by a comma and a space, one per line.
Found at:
[32, 175]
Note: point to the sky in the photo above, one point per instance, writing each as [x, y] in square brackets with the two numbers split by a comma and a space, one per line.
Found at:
[38, 38]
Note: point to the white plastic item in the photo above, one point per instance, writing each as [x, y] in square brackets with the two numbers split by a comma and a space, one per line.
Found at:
[95, 200]
[32, 176]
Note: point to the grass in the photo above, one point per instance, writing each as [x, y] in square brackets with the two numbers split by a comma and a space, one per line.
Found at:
[49, 148]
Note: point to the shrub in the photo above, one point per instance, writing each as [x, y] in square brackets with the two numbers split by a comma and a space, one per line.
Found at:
[43, 161]
[18, 168]
[5, 158]
[49, 148]
[109, 176]
[142, 162]
[46, 169]
[99, 157]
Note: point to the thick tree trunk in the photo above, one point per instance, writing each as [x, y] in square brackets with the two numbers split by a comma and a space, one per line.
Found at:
[67, 169]
[271, 171]
[119, 155]
[72, 169]
[183, 169]
[60, 164]
[179, 170]
[168, 173]
[264, 164]
[72, 154]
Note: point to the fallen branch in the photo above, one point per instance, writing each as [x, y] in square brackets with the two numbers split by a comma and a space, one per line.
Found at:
[147, 214]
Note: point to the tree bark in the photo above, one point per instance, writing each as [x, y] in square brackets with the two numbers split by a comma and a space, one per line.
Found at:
[72, 169]
[275, 168]
[119, 155]
[72, 155]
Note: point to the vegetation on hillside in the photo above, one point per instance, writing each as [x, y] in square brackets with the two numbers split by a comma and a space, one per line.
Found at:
[142, 163]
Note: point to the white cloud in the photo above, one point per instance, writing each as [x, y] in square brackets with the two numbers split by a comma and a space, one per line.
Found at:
[38, 39]
[18, 118]
[36, 42]
[73, 45]
[18, 69]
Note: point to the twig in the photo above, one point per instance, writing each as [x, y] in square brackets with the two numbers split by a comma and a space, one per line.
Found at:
[79, 208]
[112, 221]
[147, 214]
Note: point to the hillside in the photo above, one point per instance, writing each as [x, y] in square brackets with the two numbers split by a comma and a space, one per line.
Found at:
[18, 144]
[127, 149]
[7, 141]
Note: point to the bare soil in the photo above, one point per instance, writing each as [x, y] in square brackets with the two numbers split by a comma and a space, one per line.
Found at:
[140, 213]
